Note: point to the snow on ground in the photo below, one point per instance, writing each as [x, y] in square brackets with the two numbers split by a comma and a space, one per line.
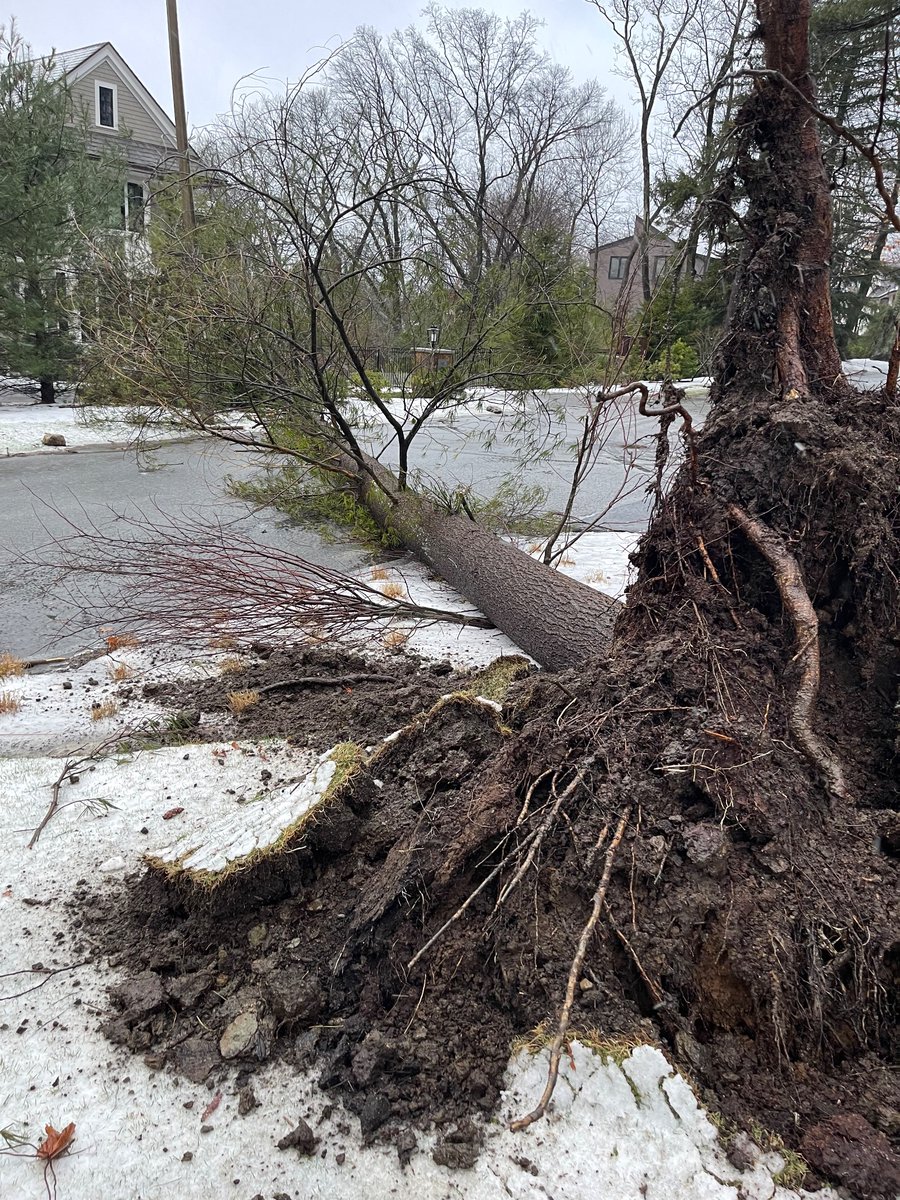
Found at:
[62, 711]
[23, 426]
[632, 1131]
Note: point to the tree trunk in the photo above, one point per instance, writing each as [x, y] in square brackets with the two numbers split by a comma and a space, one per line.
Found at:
[559, 622]
[780, 326]
[48, 390]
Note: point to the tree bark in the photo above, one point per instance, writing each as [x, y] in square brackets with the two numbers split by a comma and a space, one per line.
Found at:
[561, 623]
[780, 326]
[48, 390]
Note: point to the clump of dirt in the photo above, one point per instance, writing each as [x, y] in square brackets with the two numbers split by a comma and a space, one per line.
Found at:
[304, 958]
[343, 697]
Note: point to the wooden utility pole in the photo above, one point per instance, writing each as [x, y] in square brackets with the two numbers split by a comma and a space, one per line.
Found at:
[184, 163]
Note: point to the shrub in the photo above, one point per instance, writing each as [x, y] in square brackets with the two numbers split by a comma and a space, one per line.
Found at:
[680, 361]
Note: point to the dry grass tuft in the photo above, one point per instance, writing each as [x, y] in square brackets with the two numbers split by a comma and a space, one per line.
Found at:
[10, 665]
[232, 665]
[223, 642]
[103, 710]
[119, 672]
[379, 573]
[566, 561]
[9, 702]
[535, 547]
[239, 702]
[121, 641]
[597, 576]
[615, 1047]
[393, 590]
[395, 640]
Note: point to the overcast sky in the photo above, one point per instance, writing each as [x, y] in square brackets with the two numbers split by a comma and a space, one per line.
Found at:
[221, 40]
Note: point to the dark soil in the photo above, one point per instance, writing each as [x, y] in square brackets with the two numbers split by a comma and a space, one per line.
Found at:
[359, 710]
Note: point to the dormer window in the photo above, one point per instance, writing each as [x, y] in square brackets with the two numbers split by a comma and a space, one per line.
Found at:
[107, 116]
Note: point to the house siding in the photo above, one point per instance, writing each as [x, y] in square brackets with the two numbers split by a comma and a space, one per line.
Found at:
[138, 136]
[626, 294]
[134, 120]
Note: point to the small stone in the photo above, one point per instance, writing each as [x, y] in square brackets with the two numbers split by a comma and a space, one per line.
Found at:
[300, 1138]
[247, 1100]
[293, 996]
[155, 1062]
[187, 989]
[195, 1058]
[67, 685]
[240, 1036]
[206, 1128]
[406, 1145]
[53, 439]
[340, 1158]
[585, 985]
[742, 1153]
[459, 1156]
[188, 1156]
[706, 846]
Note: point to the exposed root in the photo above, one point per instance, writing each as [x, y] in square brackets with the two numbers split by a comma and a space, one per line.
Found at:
[542, 830]
[574, 975]
[798, 605]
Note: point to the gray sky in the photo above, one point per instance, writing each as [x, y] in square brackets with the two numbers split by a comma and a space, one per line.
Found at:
[221, 40]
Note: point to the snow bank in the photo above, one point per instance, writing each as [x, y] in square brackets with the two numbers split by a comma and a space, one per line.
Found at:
[23, 427]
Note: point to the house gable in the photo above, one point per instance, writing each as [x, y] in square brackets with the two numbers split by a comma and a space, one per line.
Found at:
[136, 113]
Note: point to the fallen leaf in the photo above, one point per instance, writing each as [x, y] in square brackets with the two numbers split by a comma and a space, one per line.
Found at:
[56, 1142]
[211, 1107]
[173, 812]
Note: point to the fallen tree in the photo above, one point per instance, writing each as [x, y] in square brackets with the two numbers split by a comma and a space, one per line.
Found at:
[694, 836]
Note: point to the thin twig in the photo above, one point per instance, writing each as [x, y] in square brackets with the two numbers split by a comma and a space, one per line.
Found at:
[574, 975]
[72, 764]
[47, 974]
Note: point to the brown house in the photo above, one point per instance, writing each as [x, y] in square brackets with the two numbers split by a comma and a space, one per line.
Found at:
[617, 270]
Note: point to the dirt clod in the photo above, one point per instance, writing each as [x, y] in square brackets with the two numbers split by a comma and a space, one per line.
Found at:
[846, 1148]
[301, 1138]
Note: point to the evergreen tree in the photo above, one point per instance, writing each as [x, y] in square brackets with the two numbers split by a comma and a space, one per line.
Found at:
[53, 198]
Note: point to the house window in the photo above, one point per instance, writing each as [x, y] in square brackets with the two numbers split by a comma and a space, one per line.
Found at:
[106, 106]
[618, 266]
[135, 205]
[659, 265]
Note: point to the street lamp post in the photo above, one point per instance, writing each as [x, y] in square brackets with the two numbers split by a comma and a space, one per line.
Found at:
[433, 331]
